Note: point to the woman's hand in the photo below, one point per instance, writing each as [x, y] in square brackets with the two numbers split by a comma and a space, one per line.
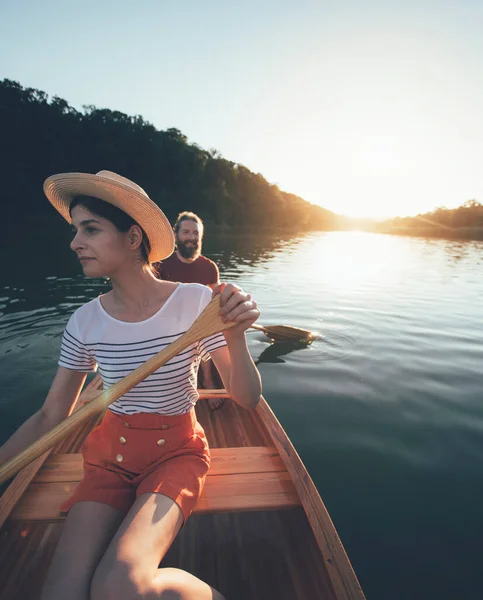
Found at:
[237, 306]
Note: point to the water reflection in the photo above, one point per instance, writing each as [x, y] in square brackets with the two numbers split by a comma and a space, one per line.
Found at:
[450, 252]
[234, 253]
[47, 292]
[458, 251]
[274, 351]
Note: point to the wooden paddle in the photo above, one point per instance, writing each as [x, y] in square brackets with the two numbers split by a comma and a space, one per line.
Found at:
[285, 332]
[208, 323]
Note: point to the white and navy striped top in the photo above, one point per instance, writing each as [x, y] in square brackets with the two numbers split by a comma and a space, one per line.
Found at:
[92, 338]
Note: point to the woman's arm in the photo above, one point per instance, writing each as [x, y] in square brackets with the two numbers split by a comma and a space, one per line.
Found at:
[59, 403]
[239, 374]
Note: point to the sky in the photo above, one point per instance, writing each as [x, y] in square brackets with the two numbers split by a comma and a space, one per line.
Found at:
[368, 108]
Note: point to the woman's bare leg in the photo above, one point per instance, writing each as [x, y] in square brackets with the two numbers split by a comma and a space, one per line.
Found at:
[87, 531]
[129, 569]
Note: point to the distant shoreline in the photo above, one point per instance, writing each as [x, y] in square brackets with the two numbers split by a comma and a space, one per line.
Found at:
[43, 221]
[452, 233]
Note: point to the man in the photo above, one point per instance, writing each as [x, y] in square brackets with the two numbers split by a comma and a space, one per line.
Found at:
[188, 265]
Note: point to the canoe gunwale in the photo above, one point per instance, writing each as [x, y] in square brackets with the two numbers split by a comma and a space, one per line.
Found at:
[342, 576]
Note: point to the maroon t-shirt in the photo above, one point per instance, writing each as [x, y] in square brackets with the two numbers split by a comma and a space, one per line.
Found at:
[202, 270]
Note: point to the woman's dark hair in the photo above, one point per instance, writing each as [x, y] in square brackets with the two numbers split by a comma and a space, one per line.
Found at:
[116, 216]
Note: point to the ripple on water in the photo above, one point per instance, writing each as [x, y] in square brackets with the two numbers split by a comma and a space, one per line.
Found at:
[21, 325]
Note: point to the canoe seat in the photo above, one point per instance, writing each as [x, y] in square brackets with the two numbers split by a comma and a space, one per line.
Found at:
[240, 479]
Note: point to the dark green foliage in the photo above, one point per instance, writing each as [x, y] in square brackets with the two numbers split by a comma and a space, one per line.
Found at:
[42, 136]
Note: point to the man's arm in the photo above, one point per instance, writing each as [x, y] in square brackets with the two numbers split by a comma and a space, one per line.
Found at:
[214, 276]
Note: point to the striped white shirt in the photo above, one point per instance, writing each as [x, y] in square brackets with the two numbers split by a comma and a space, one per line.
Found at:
[93, 339]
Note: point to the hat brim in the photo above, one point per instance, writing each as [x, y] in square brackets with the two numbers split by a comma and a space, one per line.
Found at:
[61, 189]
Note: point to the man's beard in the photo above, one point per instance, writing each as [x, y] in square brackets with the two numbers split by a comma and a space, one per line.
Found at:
[189, 250]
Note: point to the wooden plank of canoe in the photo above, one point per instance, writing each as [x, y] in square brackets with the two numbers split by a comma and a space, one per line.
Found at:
[224, 461]
[252, 478]
[344, 580]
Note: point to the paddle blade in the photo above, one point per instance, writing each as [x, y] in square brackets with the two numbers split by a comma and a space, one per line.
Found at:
[286, 332]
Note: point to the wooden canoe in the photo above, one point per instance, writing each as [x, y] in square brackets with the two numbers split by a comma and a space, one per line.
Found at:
[260, 529]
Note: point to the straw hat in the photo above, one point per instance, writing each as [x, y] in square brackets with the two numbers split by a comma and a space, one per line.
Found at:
[61, 189]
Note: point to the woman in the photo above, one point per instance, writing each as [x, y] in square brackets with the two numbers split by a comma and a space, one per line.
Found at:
[145, 466]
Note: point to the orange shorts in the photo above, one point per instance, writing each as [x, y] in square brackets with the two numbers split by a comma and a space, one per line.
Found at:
[129, 455]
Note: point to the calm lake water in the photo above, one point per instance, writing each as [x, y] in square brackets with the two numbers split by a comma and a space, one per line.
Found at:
[385, 407]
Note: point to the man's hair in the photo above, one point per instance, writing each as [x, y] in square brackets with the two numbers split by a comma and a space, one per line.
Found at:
[187, 216]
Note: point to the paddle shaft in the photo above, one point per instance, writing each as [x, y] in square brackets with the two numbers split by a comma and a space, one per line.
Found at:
[208, 323]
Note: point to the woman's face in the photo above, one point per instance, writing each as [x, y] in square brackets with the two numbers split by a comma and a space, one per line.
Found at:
[100, 247]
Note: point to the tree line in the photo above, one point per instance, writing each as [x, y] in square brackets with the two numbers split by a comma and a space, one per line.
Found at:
[42, 136]
[466, 221]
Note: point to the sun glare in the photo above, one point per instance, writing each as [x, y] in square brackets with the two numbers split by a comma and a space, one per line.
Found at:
[379, 157]
[357, 258]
